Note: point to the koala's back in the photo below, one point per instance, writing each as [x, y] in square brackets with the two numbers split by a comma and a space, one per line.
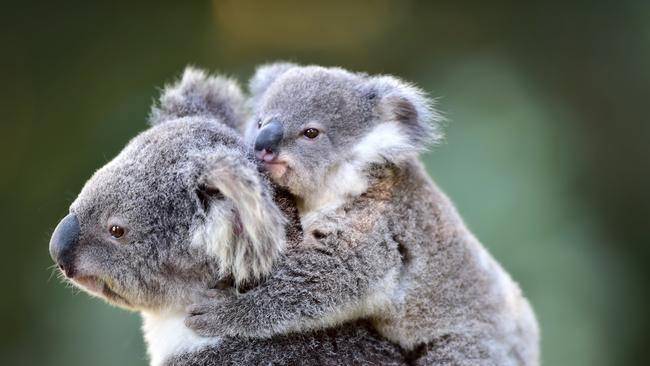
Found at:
[355, 343]
[452, 300]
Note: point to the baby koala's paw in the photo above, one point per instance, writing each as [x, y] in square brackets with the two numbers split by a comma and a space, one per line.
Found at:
[207, 317]
[227, 313]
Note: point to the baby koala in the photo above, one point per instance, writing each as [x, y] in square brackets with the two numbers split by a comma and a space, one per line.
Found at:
[381, 242]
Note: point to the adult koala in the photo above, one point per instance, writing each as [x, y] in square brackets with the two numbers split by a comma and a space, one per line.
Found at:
[146, 231]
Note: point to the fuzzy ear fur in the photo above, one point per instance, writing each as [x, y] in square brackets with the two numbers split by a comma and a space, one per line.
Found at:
[409, 108]
[264, 76]
[199, 94]
[246, 233]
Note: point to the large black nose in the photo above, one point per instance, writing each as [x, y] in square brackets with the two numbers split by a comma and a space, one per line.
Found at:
[63, 243]
[269, 137]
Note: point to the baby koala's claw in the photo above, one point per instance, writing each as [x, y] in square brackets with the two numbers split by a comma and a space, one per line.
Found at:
[211, 293]
[198, 309]
[224, 283]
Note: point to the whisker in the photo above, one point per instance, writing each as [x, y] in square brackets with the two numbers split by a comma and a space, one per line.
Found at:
[53, 269]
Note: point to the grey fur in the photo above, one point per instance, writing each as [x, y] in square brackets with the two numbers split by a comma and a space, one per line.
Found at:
[265, 75]
[382, 241]
[355, 343]
[162, 189]
[201, 95]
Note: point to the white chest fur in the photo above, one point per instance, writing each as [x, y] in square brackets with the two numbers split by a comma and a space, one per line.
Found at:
[166, 335]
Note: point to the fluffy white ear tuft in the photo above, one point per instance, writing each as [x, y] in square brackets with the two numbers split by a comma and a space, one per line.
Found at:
[409, 108]
[199, 94]
[387, 141]
[246, 230]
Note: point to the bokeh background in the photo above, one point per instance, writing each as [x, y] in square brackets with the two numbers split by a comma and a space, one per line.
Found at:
[546, 156]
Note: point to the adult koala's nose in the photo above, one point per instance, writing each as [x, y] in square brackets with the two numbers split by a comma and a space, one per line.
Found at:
[268, 139]
[63, 243]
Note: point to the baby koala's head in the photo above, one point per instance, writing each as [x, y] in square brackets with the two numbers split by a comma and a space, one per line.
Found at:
[180, 206]
[311, 122]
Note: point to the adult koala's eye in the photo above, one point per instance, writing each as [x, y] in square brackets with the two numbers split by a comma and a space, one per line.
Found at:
[116, 231]
[311, 133]
[259, 123]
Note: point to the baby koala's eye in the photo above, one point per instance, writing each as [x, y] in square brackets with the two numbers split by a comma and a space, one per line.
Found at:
[259, 123]
[311, 133]
[116, 231]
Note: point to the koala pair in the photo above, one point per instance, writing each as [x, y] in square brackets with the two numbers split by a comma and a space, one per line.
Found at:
[183, 204]
[381, 241]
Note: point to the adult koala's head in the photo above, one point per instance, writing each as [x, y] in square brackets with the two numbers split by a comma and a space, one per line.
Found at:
[180, 206]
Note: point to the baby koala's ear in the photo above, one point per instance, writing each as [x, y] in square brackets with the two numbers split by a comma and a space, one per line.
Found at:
[199, 94]
[264, 76]
[408, 107]
[245, 231]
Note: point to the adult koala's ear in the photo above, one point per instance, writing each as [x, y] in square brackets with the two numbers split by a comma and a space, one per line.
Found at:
[405, 111]
[244, 229]
[264, 76]
[199, 94]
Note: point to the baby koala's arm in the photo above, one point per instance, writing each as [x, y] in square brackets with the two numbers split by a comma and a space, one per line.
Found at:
[345, 268]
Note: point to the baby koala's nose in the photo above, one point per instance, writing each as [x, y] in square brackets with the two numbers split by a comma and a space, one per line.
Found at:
[63, 242]
[269, 137]
[267, 156]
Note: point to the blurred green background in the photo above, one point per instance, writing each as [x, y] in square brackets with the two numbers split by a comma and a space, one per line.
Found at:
[546, 155]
